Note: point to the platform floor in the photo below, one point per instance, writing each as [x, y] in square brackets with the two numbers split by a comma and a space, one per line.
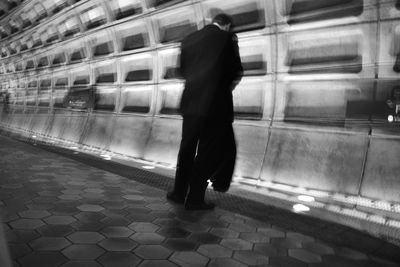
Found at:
[59, 211]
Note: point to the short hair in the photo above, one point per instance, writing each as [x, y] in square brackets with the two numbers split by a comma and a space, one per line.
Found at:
[223, 19]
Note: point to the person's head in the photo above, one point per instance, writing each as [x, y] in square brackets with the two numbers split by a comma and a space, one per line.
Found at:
[224, 21]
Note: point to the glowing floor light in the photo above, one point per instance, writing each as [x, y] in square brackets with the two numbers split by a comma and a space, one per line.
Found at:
[105, 156]
[148, 167]
[300, 208]
[306, 198]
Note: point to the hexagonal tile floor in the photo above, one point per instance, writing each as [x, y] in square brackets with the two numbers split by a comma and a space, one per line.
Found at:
[60, 212]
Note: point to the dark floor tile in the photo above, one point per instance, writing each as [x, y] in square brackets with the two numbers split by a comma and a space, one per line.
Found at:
[287, 262]
[49, 243]
[157, 263]
[147, 238]
[119, 259]
[140, 217]
[250, 257]
[167, 222]
[144, 227]
[225, 263]
[180, 244]
[224, 233]
[18, 250]
[304, 255]
[214, 223]
[42, 259]
[318, 248]
[117, 231]
[86, 216]
[55, 230]
[60, 219]
[67, 209]
[173, 232]
[34, 214]
[137, 210]
[83, 252]
[90, 208]
[236, 244]
[114, 205]
[118, 244]
[152, 252]
[205, 238]
[116, 221]
[195, 227]
[88, 226]
[82, 237]
[286, 243]
[270, 250]
[81, 264]
[215, 251]
[189, 259]
[255, 237]
[21, 236]
[26, 223]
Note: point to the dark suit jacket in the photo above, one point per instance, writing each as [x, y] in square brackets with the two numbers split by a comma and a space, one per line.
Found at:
[210, 63]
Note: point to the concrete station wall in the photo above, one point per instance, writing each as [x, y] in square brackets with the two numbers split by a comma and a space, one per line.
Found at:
[311, 112]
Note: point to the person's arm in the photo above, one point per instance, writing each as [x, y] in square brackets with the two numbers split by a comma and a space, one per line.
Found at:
[237, 69]
[182, 62]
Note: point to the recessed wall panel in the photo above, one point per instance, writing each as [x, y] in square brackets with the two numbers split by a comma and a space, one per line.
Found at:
[125, 8]
[130, 135]
[327, 161]
[389, 52]
[101, 44]
[331, 102]
[136, 99]
[246, 15]
[294, 12]
[133, 36]
[168, 100]
[175, 24]
[105, 98]
[337, 51]
[138, 68]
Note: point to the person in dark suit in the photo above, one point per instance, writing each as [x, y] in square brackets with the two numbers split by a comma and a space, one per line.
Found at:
[211, 66]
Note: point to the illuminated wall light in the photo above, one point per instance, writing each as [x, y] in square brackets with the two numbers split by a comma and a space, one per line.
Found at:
[283, 187]
[355, 213]
[148, 167]
[390, 118]
[377, 219]
[396, 208]
[393, 223]
[339, 197]
[300, 208]
[306, 198]
[318, 193]
[383, 205]
[334, 208]
[124, 3]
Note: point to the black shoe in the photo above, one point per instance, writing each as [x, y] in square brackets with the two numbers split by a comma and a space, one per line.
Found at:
[199, 206]
[175, 198]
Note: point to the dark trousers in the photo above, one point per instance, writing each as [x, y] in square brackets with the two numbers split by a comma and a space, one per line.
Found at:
[200, 154]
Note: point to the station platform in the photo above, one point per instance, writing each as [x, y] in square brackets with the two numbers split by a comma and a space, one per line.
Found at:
[63, 208]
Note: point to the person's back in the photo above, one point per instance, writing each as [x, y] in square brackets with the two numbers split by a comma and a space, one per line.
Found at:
[206, 64]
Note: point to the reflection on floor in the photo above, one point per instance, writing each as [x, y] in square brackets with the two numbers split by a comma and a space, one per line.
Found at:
[60, 212]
